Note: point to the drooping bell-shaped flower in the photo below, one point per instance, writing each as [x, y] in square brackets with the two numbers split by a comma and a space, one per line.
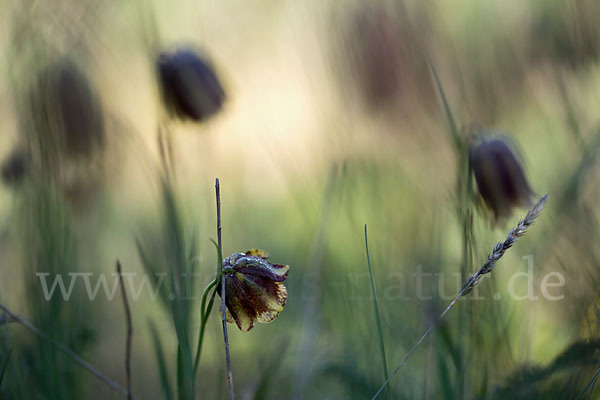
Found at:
[14, 167]
[189, 85]
[375, 55]
[499, 175]
[67, 112]
[254, 291]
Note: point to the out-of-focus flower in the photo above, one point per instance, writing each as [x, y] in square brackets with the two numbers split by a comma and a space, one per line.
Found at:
[14, 167]
[499, 175]
[380, 58]
[376, 55]
[67, 113]
[254, 291]
[190, 86]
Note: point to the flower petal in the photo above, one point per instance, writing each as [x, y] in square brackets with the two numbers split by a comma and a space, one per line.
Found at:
[238, 304]
[258, 267]
[499, 175]
[258, 253]
[267, 298]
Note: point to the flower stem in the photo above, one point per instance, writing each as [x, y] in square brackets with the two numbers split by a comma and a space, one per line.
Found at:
[225, 338]
[222, 278]
[129, 331]
[219, 243]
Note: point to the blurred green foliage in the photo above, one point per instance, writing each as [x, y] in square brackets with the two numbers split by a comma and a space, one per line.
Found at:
[308, 153]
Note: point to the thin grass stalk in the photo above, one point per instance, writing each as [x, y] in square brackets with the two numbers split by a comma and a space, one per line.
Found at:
[497, 253]
[162, 363]
[175, 242]
[129, 331]
[4, 366]
[223, 305]
[377, 317]
[589, 386]
[463, 193]
[95, 371]
[452, 124]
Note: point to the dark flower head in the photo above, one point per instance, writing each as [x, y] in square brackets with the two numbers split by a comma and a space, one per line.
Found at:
[15, 166]
[67, 112]
[375, 55]
[253, 288]
[190, 86]
[499, 175]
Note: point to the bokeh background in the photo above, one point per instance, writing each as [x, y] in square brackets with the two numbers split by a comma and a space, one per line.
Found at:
[332, 120]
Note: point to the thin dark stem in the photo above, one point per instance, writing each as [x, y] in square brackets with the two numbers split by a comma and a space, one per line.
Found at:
[218, 194]
[95, 371]
[225, 338]
[129, 331]
[4, 319]
[221, 276]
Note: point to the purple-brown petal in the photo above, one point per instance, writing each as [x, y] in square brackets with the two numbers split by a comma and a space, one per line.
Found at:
[499, 175]
[238, 304]
[267, 297]
[190, 86]
[261, 268]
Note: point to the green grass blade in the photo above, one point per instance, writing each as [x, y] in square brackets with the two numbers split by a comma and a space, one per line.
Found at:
[377, 317]
[463, 189]
[590, 384]
[443, 373]
[162, 364]
[204, 314]
[447, 111]
[4, 366]
[180, 375]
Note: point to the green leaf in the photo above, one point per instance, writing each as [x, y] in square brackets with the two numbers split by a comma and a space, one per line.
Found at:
[162, 365]
[180, 375]
[4, 366]
[452, 124]
[445, 381]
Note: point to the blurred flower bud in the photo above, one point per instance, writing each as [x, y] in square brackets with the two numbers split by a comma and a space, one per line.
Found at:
[253, 288]
[14, 167]
[190, 86]
[68, 116]
[499, 175]
[375, 50]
